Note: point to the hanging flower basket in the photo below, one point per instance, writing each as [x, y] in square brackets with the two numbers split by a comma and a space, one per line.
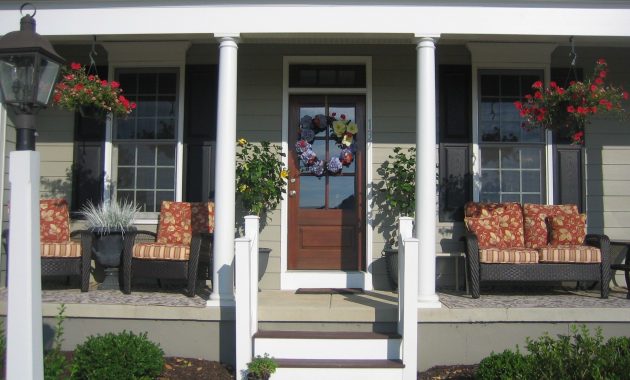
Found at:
[568, 110]
[92, 112]
[90, 95]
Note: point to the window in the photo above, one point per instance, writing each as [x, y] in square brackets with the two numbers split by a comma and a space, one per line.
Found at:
[512, 158]
[144, 156]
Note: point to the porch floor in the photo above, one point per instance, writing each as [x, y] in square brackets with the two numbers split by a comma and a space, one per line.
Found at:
[371, 305]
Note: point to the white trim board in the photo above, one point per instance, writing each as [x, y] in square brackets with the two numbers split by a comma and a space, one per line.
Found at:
[290, 280]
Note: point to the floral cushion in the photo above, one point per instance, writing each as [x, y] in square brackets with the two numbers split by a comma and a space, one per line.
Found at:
[567, 229]
[202, 217]
[510, 220]
[67, 249]
[508, 256]
[174, 225]
[54, 221]
[158, 251]
[487, 230]
[570, 254]
[535, 223]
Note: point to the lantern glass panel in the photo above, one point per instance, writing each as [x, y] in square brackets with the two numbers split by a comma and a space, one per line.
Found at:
[48, 71]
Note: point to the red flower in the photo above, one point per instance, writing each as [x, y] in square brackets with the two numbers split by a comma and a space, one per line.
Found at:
[114, 84]
[518, 105]
[343, 116]
[601, 61]
[578, 136]
[75, 66]
[91, 77]
[602, 74]
[78, 87]
[537, 84]
[103, 83]
[553, 84]
[570, 109]
[560, 90]
[599, 80]
[69, 77]
[625, 95]
[593, 88]
[537, 95]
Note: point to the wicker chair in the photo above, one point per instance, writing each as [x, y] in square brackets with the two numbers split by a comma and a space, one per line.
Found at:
[61, 256]
[174, 251]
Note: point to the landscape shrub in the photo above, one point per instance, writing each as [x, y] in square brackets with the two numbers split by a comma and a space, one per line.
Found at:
[55, 363]
[578, 355]
[506, 365]
[122, 356]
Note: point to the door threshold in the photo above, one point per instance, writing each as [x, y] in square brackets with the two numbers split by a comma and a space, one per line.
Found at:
[295, 279]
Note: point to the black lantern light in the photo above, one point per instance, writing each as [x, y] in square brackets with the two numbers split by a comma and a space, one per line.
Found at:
[29, 66]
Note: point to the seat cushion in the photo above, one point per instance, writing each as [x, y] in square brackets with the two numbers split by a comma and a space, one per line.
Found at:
[519, 255]
[510, 219]
[174, 225]
[202, 217]
[487, 230]
[54, 219]
[567, 229]
[67, 249]
[570, 254]
[160, 251]
[535, 222]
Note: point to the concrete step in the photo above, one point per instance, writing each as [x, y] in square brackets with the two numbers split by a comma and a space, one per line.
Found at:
[310, 369]
[328, 345]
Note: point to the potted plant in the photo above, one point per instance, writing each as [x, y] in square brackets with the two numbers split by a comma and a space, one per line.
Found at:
[261, 367]
[261, 179]
[108, 223]
[398, 187]
[568, 110]
[90, 95]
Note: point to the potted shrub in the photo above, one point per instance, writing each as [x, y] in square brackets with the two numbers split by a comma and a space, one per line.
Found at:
[261, 367]
[398, 187]
[108, 223]
[261, 179]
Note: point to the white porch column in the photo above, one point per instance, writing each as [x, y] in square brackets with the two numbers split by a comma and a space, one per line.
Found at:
[223, 247]
[426, 199]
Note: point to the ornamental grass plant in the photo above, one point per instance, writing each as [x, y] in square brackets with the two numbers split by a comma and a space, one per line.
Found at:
[261, 177]
[78, 88]
[109, 216]
[569, 109]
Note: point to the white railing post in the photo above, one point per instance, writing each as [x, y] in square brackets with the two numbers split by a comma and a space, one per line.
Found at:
[408, 298]
[244, 344]
[251, 232]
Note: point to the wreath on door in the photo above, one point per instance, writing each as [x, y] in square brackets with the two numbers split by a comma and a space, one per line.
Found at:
[342, 130]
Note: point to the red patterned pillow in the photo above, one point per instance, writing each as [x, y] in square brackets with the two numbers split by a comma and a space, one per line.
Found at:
[174, 224]
[535, 222]
[202, 217]
[567, 229]
[510, 219]
[489, 235]
[54, 220]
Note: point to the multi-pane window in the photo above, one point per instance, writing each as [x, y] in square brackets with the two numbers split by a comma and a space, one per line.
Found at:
[145, 142]
[512, 158]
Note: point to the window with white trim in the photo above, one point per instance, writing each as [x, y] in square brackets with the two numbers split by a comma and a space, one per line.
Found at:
[512, 158]
[144, 144]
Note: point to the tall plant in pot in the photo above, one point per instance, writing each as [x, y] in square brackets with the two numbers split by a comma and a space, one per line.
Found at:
[261, 179]
[109, 222]
[398, 187]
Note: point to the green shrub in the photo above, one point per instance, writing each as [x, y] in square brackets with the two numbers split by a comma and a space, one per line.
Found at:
[117, 356]
[261, 367]
[578, 355]
[55, 363]
[506, 365]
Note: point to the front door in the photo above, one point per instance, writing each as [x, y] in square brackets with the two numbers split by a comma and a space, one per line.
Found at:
[326, 182]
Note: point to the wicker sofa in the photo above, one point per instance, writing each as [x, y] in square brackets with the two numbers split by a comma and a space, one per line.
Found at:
[533, 243]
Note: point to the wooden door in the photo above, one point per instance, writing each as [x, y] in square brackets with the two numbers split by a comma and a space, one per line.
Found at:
[326, 205]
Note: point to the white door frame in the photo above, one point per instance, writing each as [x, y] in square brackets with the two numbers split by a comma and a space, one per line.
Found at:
[290, 280]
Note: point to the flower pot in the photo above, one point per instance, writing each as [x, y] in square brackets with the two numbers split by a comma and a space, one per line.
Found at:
[92, 112]
[251, 376]
[107, 247]
[391, 260]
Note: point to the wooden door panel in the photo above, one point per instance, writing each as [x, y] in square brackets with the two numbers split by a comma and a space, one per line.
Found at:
[326, 223]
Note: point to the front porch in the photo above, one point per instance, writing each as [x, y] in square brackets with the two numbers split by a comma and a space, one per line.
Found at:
[467, 329]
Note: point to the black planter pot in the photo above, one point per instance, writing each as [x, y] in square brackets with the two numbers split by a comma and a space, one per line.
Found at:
[107, 249]
[391, 259]
[93, 112]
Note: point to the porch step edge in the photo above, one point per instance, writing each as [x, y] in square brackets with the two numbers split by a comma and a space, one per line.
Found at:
[340, 363]
[282, 334]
